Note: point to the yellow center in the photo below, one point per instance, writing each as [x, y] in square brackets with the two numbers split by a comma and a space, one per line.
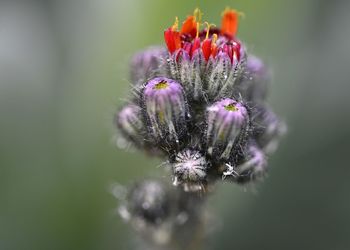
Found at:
[231, 107]
[161, 85]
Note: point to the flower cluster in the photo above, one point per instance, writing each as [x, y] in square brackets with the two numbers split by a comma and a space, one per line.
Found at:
[199, 102]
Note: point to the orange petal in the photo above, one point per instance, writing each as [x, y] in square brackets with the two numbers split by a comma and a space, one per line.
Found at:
[189, 26]
[229, 23]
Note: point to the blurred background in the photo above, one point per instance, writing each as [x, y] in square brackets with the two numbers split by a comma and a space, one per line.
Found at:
[64, 71]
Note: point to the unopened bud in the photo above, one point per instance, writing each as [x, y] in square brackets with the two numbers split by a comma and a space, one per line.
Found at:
[227, 122]
[166, 110]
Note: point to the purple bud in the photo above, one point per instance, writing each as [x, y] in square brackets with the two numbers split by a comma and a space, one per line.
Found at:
[254, 87]
[189, 166]
[270, 129]
[145, 64]
[254, 165]
[129, 122]
[228, 122]
[166, 110]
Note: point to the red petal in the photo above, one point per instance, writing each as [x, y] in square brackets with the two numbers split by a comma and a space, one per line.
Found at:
[196, 45]
[172, 40]
[206, 48]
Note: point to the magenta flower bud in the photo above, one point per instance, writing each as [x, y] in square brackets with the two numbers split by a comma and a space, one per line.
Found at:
[146, 64]
[129, 122]
[227, 126]
[166, 110]
[189, 166]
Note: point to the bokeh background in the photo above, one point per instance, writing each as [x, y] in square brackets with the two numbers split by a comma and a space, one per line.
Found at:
[64, 71]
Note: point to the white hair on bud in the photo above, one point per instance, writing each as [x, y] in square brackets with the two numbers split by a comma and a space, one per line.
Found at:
[190, 165]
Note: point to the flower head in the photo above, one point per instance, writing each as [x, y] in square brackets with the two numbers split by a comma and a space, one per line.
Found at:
[209, 61]
[209, 41]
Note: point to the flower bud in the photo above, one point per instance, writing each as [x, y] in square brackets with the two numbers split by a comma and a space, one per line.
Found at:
[189, 166]
[129, 122]
[270, 129]
[149, 201]
[146, 64]
[219, 70]
[227, 126]
[223, 73]
[166, 110]
[254, 86]
[253, 166]
[190, 71]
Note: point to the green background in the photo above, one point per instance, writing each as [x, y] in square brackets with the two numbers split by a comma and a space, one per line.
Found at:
[64, 72]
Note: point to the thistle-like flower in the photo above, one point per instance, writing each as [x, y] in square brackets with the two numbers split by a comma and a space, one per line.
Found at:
[200, 100]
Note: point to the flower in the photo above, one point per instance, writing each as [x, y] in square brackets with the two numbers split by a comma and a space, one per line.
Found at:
[208, 62]
[190, 39]
[200, 103]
